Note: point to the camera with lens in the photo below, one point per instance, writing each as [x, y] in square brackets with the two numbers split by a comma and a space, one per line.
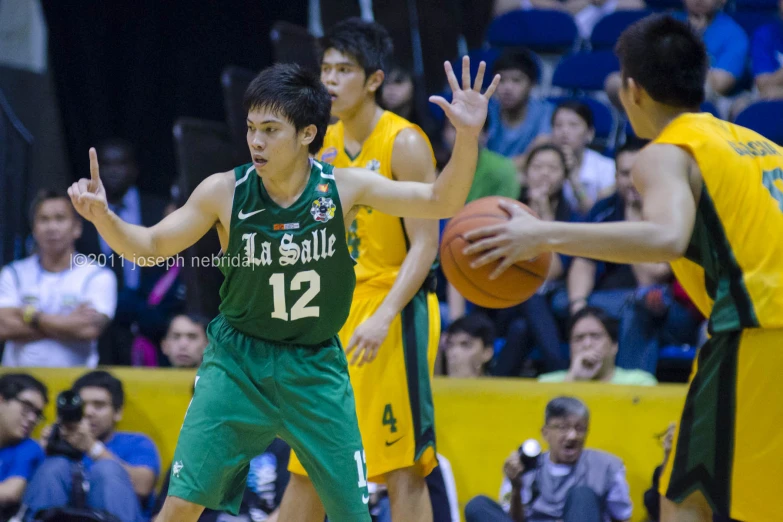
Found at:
[529, 452]
[70, 410]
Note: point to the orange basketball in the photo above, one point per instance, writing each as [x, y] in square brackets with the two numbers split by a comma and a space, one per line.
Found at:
[515, 285]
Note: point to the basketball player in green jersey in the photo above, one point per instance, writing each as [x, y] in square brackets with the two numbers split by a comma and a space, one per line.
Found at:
[274, 365]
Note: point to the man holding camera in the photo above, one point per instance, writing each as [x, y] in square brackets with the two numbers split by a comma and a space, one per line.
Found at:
[568, 483]
[120, 468]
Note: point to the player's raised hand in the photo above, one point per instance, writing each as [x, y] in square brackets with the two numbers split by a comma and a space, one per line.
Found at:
[88, 195]
[468, 108]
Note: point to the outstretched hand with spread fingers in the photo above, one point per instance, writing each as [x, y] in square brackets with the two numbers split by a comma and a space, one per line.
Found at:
[468, 108]
[88, 195]
[518, 239]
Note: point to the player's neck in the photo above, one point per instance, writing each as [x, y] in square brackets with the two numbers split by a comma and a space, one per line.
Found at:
[56, 261]
[359, 124]
[663, 116]
[285, 187]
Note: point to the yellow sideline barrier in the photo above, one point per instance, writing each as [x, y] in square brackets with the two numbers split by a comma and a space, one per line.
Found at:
[478, 422]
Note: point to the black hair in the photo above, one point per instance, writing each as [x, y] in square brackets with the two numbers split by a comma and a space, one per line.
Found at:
[581, 109]
[368, 42]
[632, 145]
[561, 407]
[12, 384]
[610, 325]
[544, 147]
[474, 325]
[47, 194]
[295, 94]
[119, 143]
[666, 58]
[199, 319]
[105, 380]
[517, 59]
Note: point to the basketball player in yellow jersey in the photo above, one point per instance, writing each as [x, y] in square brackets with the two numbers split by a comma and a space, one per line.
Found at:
[391, 336]
[712, 195]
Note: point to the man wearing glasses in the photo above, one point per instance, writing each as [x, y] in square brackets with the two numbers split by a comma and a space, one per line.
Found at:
[22, 399]
[568, 483]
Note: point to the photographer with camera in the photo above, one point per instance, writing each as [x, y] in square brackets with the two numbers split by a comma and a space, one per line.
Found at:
[568, 483]
[22, 400]
[88, 463]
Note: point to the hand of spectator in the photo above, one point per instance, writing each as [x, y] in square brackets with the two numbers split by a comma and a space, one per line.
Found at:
[668, 439]
[45, 432]
[570, 158]
[78, 435]
[84, 313]
[538, 199]
[88, 195]
[513, 469]
[367, 339]
[585, 366]
[468, 108]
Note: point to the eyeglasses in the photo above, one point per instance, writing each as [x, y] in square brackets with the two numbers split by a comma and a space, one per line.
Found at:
[28, 408]
[562, 428]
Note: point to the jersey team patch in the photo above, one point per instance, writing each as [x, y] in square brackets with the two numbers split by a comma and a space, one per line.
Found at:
[328, 155]
[323, 209]
[322, 188]
[285, 226]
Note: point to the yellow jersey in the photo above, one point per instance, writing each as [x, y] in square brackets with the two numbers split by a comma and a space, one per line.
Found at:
[377, 242]
[733, 267]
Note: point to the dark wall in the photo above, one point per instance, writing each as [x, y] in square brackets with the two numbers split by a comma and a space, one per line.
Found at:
[129, 68]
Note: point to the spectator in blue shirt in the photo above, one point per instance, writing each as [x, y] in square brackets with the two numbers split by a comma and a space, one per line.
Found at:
[767, 59]
[22, 399]
[515, 118]
[121, 468]
[726, 42]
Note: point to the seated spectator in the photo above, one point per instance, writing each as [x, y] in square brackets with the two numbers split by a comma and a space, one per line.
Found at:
[120, 468]
[266, 482]
[136, 315]
[22, 400]
[593, 341]
[186, 340]
[586, 13]
[469, 346]
[569, 483]
[767, 58]
[604, 285]
[727, 47]
[515, 117]
[532, 323]
[590, 174]
[54, 304]
[398, 96]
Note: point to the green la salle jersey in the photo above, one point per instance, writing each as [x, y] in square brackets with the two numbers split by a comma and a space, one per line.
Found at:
[288, 274]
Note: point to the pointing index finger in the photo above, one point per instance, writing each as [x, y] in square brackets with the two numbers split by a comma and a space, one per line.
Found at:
[94, 171]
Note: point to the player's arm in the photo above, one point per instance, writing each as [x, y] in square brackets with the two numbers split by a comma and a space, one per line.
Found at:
[176, 232]
[442, 199]
[411, 161]
[661, 174]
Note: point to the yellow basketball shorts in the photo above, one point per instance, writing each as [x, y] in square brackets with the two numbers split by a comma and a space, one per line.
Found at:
[729, 441]
[394, 393]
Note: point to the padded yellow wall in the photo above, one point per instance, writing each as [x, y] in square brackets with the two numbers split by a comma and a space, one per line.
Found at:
[478, 422]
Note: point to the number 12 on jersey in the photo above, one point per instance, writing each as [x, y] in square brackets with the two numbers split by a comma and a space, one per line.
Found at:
[300, 310]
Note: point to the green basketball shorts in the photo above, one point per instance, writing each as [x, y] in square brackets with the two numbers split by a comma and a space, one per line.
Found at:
[249, 391]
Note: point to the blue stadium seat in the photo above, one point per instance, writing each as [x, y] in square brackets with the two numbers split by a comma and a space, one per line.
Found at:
[608, 29]
[770, 6]
[764, 117]
[585, 71]
[752, 20]
[711, 108]
[541, 30]
[602, 114]
[684, 353]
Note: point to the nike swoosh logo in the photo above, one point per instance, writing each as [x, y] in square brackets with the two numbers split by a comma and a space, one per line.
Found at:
[365, 499]
[242, 215]
[392, 443]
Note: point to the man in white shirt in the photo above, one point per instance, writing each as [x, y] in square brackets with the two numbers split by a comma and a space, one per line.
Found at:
[55, 303]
